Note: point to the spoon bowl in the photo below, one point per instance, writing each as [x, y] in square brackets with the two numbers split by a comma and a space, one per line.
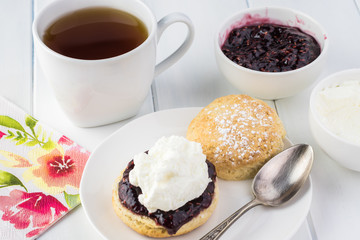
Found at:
[282, 177]
[276, 183]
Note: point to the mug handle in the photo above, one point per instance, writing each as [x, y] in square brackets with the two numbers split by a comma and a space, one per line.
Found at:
[175, 56]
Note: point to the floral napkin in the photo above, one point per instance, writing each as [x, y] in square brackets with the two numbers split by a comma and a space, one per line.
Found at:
[40, 172]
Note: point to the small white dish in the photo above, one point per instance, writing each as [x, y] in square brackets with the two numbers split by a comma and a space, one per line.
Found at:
[271, 85]
[111, 157]
[338, 148]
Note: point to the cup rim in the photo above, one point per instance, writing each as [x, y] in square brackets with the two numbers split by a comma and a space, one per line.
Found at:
[249, 10]
[37, 38]
[312, 108]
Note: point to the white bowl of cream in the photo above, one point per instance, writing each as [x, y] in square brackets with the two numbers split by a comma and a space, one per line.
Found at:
[335, 117]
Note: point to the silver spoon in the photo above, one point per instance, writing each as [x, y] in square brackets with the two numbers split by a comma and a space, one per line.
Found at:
[276, 182]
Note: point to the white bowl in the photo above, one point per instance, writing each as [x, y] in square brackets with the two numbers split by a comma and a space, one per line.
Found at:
[338, 148]
[271, 85]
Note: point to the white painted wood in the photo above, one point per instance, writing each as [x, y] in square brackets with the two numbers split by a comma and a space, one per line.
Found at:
[335, 207]
[303, 233]
[195, 79]
[75, 225]
[16, 52]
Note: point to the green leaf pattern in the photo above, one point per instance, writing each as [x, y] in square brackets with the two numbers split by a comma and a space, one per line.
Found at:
[7, 179]
[30, 121]
[29, 138]
[9, 122]
[35, 135]
[72, 200]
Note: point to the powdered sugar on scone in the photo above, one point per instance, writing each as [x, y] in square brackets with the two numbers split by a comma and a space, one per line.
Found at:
[238, 132]
[249, 116]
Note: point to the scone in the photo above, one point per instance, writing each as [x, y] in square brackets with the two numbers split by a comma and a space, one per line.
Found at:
[238, 134]
[154, 222]
[148, 225]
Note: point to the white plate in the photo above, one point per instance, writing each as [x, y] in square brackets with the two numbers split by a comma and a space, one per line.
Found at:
[112, 156]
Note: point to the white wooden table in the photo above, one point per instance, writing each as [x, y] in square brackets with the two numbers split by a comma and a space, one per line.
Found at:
[196, 81]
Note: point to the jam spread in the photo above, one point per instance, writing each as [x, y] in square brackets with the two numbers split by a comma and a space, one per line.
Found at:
[171, 220]
[270, 47]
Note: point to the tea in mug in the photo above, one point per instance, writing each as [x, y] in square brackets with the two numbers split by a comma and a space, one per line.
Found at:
[95, 33]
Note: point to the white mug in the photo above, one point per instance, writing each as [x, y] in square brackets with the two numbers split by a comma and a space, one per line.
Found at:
[98, 92]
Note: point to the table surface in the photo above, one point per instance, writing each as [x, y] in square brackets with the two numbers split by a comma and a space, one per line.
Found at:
[196, 81]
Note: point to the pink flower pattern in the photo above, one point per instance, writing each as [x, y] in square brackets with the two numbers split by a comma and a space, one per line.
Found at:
[52, 171]
[2, 134]
[22, 208]
[44, 164]
[65, 141]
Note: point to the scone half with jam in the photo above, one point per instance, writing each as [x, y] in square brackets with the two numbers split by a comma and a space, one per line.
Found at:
[167, 191]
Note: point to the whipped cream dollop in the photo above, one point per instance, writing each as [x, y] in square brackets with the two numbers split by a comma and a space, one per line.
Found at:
[339, 106]
[172, 173]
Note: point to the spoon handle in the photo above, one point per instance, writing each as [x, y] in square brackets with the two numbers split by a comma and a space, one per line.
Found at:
[217, 231]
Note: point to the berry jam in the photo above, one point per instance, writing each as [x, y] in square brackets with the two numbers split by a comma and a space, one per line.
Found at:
[270, 47]
[171, 220]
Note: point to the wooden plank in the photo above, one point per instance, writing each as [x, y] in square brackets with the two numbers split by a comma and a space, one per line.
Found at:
[16, 52]
[335, 210]
[75, 225]
[195, 79]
